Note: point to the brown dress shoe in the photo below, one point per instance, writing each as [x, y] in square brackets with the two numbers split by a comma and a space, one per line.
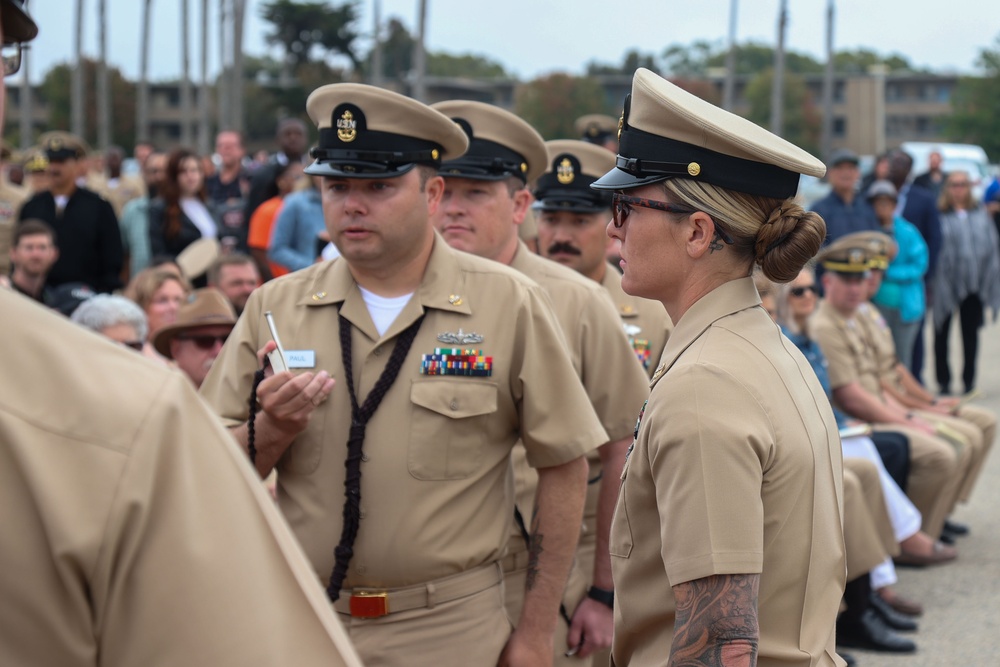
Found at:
[941, 553]
[899, 603]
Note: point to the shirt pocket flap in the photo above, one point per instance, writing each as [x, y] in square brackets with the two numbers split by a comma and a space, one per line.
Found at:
[455, 399]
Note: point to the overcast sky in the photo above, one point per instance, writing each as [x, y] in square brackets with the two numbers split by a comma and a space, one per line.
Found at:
[532, 37]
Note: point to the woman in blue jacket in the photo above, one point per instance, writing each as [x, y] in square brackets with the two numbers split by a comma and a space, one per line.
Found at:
[901, 299]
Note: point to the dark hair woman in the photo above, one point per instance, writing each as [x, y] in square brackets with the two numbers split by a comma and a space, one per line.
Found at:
[180, 215]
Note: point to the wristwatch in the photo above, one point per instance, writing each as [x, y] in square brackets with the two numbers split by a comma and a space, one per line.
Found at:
[607, 598]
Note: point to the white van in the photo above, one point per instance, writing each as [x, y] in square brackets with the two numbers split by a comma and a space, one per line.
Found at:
[955, 157]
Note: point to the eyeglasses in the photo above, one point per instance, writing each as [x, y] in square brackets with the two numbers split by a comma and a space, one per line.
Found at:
[204, 341]
[800, 291]
[958, 184]
[136, 345]
[11, 55]
[622, 205]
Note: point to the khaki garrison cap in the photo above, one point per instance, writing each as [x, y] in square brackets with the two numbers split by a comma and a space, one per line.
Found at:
[500, 143]
[880, 248]
[58, 146]
[596, 128]
[667, 132]
[573, 166]
[368, 132]
[850, 255]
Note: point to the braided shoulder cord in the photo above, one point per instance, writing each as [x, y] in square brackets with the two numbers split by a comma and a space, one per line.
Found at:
[258, 377]
[355, 442]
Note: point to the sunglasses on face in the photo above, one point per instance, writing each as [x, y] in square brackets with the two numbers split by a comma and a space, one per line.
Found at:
[800, 291]
[204, 341]
[622, 205]
[10, 54]
[136, 345]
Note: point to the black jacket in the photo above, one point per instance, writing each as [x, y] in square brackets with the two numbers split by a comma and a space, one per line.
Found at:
[159, 244]
[88, 238]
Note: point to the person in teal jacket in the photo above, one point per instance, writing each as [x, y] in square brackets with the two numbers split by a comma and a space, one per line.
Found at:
[901, 299]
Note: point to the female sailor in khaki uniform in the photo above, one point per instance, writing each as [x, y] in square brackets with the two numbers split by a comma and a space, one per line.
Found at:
[727, 542]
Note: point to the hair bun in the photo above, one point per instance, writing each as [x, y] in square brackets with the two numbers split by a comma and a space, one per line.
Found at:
[789, 238]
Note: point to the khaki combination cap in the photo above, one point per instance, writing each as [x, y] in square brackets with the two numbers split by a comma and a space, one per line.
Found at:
[596, 128]
[666, 132]
[195, 260]
[34, 161]
[368, 132]
[500, 144]
[58, 146]
[204, 307]
[573, 166]
[880, 248]
[848, 255]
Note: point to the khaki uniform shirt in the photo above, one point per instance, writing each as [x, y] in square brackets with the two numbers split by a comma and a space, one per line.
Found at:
[879, 338]
[436, 483]
[736, 468]
[845, 345]
[135, 532]
[646, 322]
[11, 198]
[600, 351]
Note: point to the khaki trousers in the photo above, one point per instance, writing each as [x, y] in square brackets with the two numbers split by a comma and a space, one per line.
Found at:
[936, 473]
[868, 535]
[986, 422]
[469, 631]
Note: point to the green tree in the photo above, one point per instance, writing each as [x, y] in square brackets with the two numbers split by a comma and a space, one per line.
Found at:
[465, 65]
[802, 119]
[552, 103]
[975, 102]
[632, 61]
[300, 28]
[55, 93]
[397, 51]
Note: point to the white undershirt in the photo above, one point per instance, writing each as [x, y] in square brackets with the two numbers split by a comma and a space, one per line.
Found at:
[61, 201]
[197, 213]
[383, 310]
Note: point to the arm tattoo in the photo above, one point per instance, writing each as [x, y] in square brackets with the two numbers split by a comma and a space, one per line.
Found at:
[716, 243]
[534, 550]
[716, 622]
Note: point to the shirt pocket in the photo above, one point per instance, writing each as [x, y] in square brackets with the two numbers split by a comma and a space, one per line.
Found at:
[449, 429]
[620, 538]
[305, 452]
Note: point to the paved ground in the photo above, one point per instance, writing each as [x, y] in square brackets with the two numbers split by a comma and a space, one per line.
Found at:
[961, 624]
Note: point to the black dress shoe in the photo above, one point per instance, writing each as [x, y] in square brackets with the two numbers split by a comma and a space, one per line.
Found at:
[848, 658]
[869, 632]
[948, 538]
[890, 616]
[955, 528]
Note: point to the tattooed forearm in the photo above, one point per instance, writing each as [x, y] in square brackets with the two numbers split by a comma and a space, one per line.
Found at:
[716, 623]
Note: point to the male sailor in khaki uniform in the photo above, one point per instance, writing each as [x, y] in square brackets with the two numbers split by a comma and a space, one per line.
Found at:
[727, 543]
[936, 467]
[135, 533]
[571, 229]
[442, 362]
[485, 199]
[976, 424]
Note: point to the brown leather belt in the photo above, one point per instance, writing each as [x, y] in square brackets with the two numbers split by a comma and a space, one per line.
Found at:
[375, 603]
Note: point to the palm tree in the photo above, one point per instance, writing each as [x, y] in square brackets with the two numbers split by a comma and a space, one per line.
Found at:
[185, 76]
[103, 94]
[142, 104]
[203, 128]
[27, 125]
[76, 93]
[239, 11]
[222, 86]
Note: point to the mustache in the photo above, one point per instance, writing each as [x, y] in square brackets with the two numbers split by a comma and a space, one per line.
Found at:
[563, 248]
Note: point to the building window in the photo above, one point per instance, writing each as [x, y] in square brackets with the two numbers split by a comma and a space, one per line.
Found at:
[839, 126]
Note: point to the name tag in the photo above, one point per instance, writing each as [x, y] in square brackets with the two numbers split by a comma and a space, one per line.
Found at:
[301, 358]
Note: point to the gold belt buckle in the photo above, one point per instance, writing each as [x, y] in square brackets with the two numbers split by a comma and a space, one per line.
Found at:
[369, 604]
